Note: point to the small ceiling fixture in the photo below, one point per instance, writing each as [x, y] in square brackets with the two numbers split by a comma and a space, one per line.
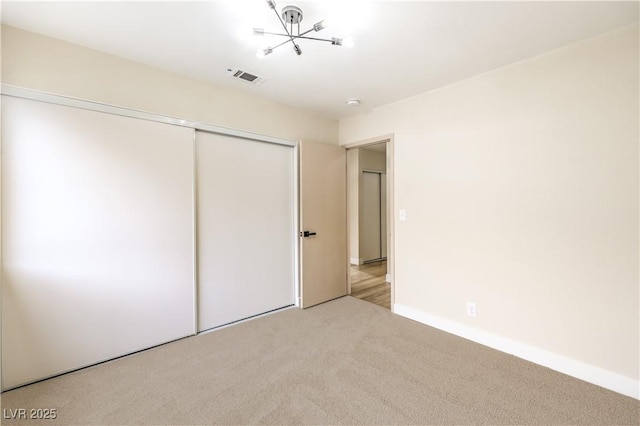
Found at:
[353, 102]
[292, 16]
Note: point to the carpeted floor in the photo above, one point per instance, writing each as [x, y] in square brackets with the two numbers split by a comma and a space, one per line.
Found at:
[343, 362]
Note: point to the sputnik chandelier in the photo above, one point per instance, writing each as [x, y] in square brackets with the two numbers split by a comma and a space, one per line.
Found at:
[291, 17]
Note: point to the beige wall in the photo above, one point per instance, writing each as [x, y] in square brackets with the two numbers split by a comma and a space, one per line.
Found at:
[372, 160]
[36, 62]
[521, 192]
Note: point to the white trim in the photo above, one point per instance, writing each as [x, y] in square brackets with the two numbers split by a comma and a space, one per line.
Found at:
[355, 261]
[387, 278]
[296, 226]
[370, 141]
[194, 225]
[19, 92]
[595, 375]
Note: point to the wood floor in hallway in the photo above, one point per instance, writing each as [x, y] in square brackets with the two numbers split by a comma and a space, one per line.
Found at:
[368, 283]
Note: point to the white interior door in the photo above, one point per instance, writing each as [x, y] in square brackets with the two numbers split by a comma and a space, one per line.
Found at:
[97, 237]
[245, 228]
[323, 211]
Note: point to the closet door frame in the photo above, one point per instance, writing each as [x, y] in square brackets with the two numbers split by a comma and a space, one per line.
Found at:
[34, 95]
[19, 92]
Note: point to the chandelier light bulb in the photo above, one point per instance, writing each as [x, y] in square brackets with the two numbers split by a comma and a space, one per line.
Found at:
[320, 26]
[261, 53]
[348, 42]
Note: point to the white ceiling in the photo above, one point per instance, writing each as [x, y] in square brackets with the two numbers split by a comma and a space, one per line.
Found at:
[401, 48]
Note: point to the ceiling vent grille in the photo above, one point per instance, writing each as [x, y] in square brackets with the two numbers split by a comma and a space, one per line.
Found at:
[245, 76]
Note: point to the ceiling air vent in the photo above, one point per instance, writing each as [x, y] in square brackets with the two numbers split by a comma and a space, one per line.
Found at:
[245, 76]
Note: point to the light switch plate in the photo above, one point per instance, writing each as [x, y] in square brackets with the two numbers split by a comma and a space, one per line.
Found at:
[472, 309]
[403, 215]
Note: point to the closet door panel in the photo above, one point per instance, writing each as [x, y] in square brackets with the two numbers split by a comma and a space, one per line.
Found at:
[370, 243]
[245, 228]
[97, 237]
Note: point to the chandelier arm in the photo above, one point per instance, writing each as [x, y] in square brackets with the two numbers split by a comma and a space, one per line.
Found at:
[313, 38]
[287, 35]
[278, 45]
[295, 46]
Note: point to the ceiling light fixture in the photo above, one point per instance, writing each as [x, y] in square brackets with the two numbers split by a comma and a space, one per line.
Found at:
[292, 16]
[353, 102]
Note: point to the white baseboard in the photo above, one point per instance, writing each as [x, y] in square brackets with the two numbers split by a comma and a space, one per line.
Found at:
[355, 261]
[595, 375]
[387, 278]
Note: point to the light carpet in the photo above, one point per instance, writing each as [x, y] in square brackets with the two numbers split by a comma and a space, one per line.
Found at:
[342, 362]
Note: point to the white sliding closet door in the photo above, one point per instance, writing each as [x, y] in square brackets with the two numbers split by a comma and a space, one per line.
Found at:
[245, 228]
[97, 237]
[370, 230]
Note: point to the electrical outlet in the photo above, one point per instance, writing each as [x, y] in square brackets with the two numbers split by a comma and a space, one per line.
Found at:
[472, 310]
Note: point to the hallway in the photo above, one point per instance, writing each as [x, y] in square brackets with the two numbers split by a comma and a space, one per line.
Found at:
[368, 283]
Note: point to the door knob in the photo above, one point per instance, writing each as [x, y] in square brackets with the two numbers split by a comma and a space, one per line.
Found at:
[307, 234]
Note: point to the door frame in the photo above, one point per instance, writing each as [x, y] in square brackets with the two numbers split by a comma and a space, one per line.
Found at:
[297, 207]
[389, 140]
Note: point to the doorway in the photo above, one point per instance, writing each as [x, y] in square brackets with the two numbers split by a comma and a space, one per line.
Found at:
[368, 206]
